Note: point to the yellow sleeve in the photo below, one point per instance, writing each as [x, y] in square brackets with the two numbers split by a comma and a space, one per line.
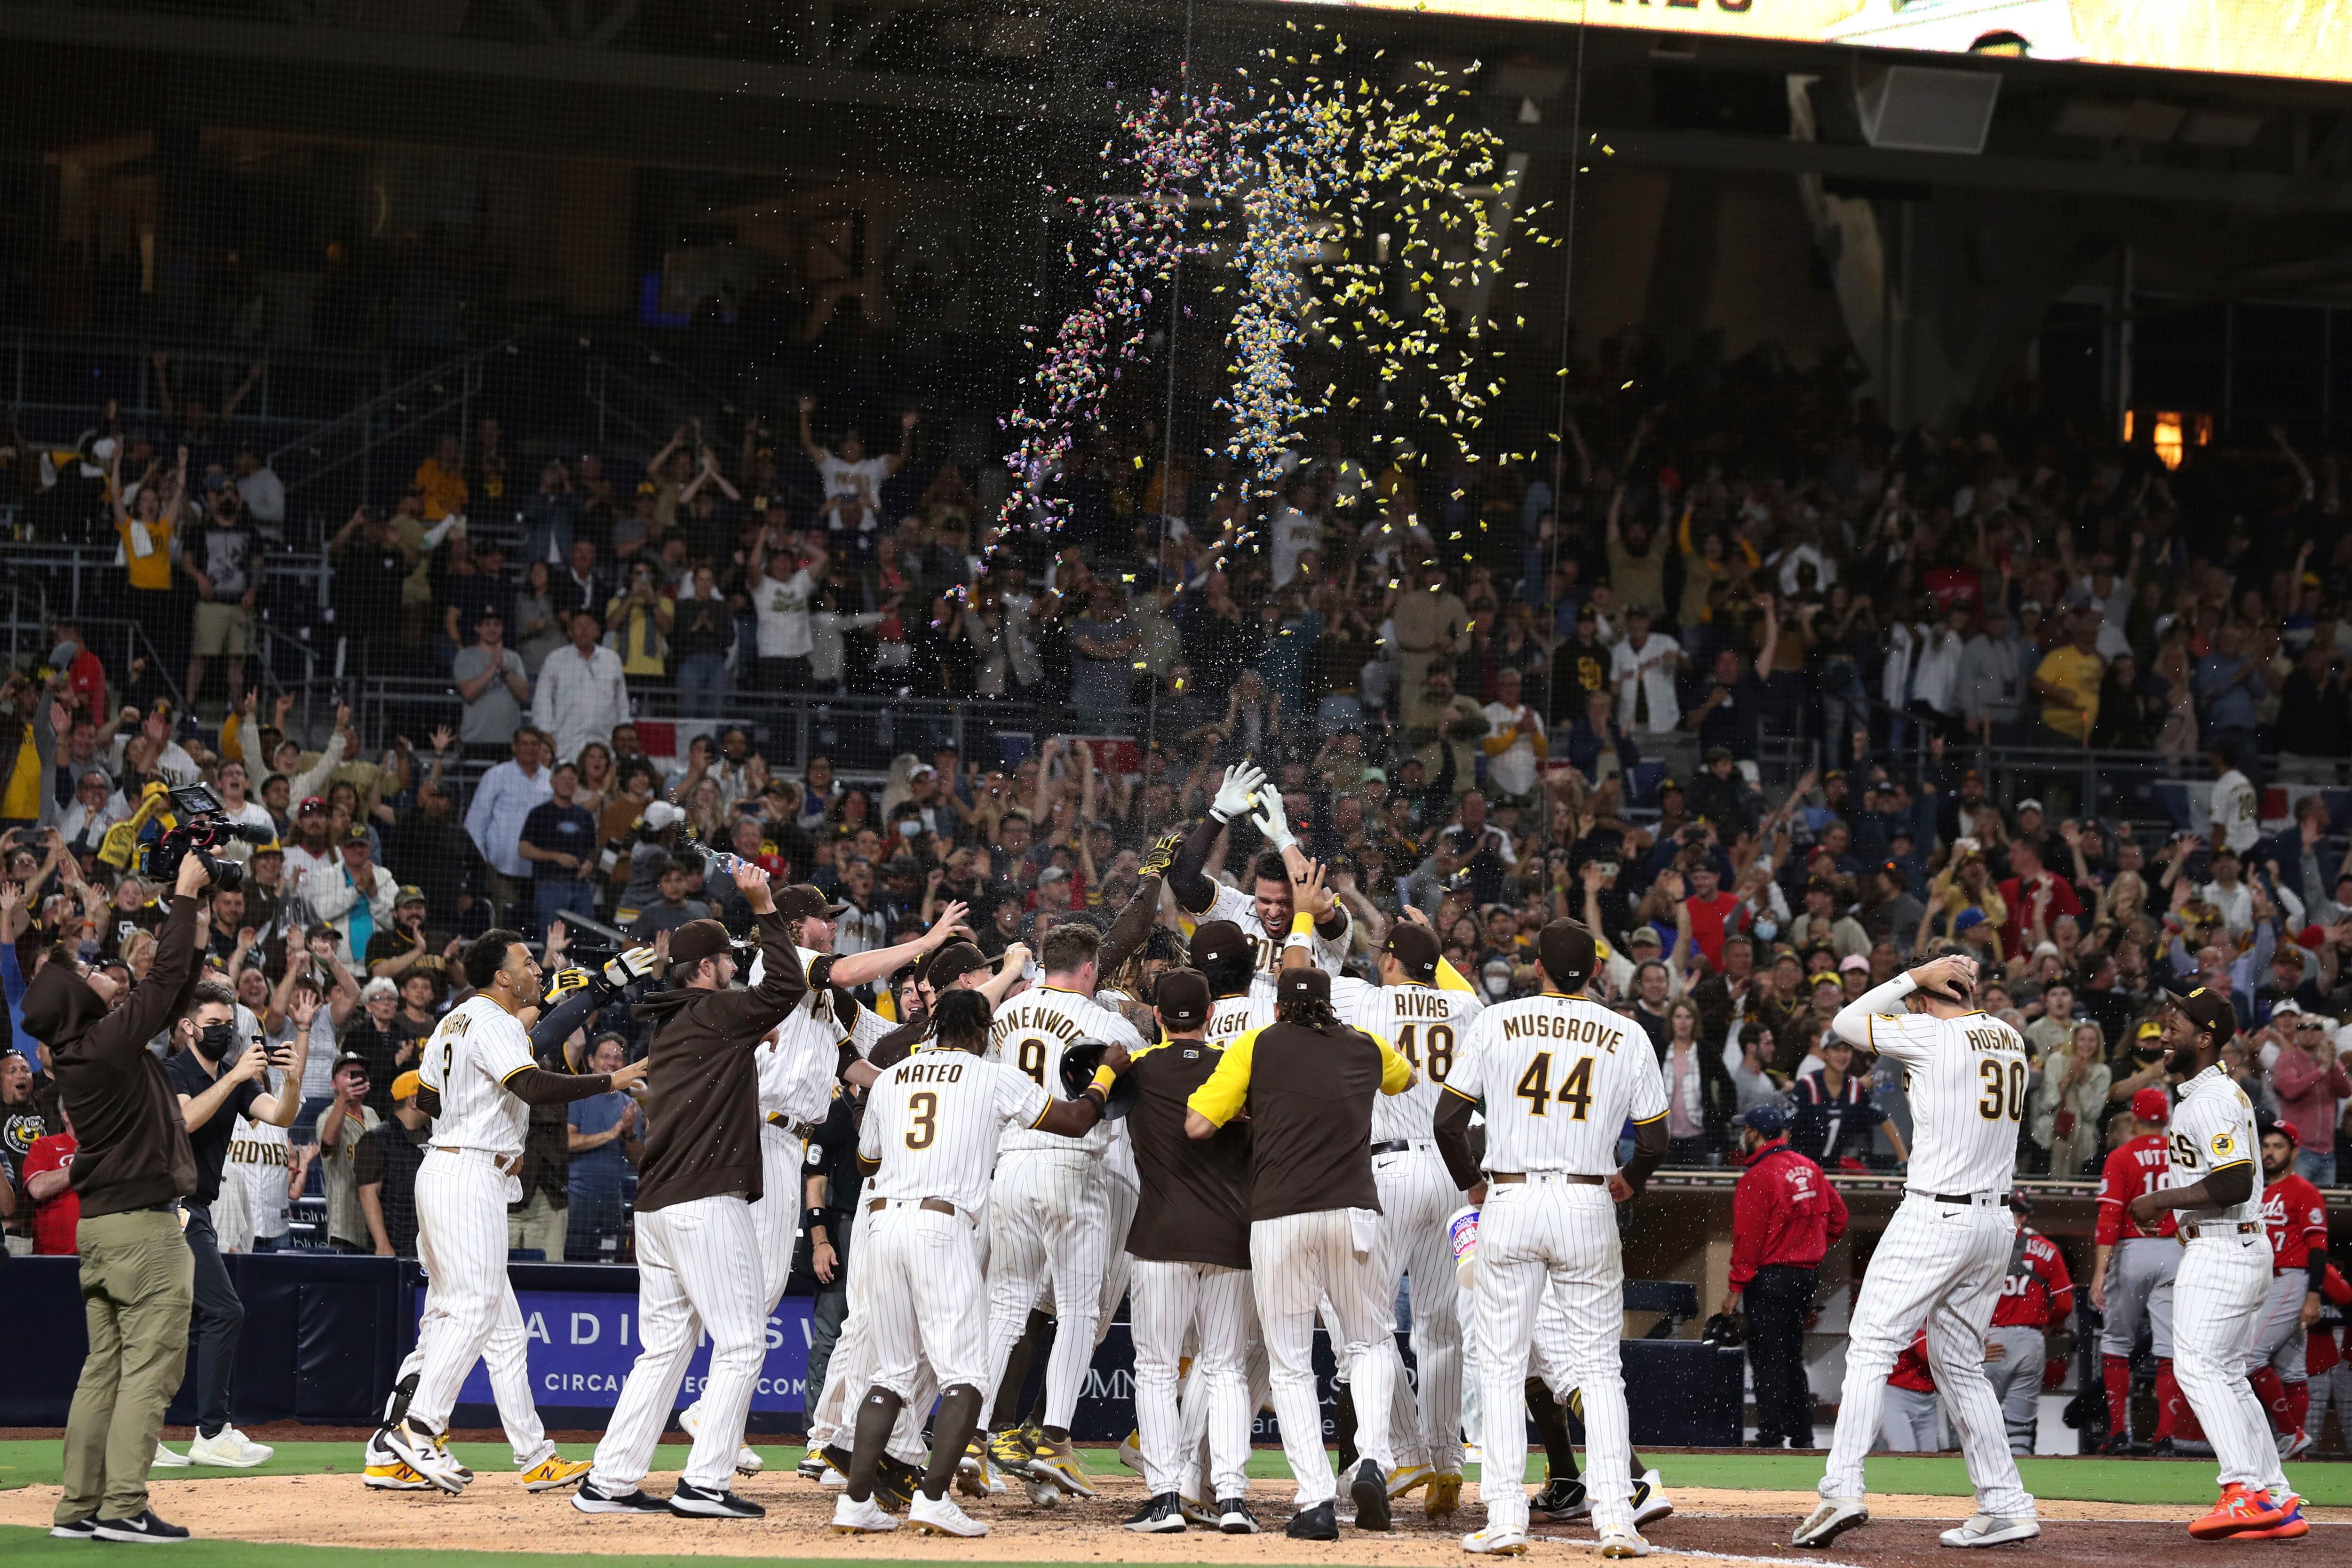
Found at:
[1221, 1098]
[1542, 743]
[1396, 1073]
[1496, 745]
[1450, 978]
[231, 744]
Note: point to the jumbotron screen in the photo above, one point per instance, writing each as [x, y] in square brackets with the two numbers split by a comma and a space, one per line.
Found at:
[2309, 38]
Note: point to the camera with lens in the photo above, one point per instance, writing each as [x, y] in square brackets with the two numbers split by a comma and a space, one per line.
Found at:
[195, 822]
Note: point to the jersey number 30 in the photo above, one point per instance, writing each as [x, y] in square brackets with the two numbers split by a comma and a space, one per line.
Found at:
[1575, 1089]
[2004, 1090]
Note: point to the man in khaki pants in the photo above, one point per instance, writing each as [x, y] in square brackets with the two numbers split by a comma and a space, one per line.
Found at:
[138, 1277]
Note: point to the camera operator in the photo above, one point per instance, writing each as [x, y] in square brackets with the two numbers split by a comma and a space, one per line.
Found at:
[135, 1161]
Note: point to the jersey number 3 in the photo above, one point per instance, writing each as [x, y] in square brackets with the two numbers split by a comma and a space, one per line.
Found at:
[2004, 1090]
[1575, 1089]
[925, 1109]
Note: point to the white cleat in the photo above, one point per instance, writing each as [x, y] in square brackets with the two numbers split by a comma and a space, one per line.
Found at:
[1496, 1542]
[1042, 1494]
[867, 1518]
[1992, 1530]
[421, 1451]
[1624, 1543]
[748, 1462]
[940, 1516]
[1833, 1519]
[229, 1448]
[2292, 1445]
[1651, 1502]
[167, 1460]
[1130, 1452]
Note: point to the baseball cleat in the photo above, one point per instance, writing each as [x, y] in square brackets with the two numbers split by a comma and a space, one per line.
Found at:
[748, 1461]
[896, 1483]
[1560, 1503]
[940, 1516]
[1496, 1542]
[1316, 1523]
[421, 1451]
[1164, 1515]
[1059, 1464]
[2239, 1510]
[1623, 1543]
[1651, 1502]
[2291, 1526]
[167, 1460]
[1444, 1496]
[1130, 1452]
[1012, 1450]
[811, 1466]
[229, 1449]
[1042, 1494]
[2292, 1444]
[1198, 1513]
[853, 1518]
[1370, 1493]
[1833, 1517]
[2116, 1444]
[553, 1472]
[1233, 1516]
[1407, 1478]
[76, 1530]
[691, 1501]
[593, 1499]
[394, 1477]
[1990, 1530]
[975, 1477]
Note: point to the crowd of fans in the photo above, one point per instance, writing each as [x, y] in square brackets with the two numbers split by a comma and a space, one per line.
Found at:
[1495, 694]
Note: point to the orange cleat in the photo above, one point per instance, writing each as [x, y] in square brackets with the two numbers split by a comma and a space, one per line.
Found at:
[2239, 1511]
[2293, 1526]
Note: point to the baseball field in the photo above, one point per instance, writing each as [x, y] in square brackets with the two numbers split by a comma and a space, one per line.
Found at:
[306, 1509]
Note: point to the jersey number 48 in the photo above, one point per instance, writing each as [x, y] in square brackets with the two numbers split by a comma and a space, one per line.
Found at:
[1441, 1051]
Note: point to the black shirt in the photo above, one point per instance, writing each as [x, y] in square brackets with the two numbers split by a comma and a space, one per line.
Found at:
[1195, 1203]
[389, 1158]
[562, 830]
[381, 1048]
[187, 1076]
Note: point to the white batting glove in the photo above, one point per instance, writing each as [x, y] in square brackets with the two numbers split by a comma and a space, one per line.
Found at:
[1272, 821]
[1235, 790]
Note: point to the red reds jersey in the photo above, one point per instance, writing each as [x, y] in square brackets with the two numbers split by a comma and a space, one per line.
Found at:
[1783, 1212]
[2038, 1291]
[2140, 1166]
[54, 1221]
[2294, 1214]
[1911, 1367]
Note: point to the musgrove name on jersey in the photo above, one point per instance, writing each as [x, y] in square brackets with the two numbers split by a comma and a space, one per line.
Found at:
[1576, 1031]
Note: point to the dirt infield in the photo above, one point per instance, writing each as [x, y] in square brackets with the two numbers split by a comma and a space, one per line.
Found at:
[497, 1515]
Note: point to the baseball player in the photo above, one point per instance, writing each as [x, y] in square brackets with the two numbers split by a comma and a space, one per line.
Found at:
[2225, 1271]
[2295, 1216]
[478, 1082]
[932, 1129]
[1913, 1421]
[1559, 1077]
[1264, 916]
[1308, 1082]
[1047, 1214]
[1229, 958]
[698, 1251]
[1426, 1011]
[2036, 1297]
[2132, 1280]
[1190, 1271]
[1944, 1254]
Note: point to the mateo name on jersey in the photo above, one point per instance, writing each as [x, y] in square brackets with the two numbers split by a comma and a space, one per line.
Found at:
[930, 1072]
[1576, 1031]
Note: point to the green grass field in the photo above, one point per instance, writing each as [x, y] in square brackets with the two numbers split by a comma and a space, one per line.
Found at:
[2180, 1481]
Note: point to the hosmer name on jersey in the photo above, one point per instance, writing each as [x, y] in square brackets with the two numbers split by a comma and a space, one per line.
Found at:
[1570, 1028]
[1990, 1040]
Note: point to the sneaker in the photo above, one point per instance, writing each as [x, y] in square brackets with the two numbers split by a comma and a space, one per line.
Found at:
[1623, 1543]
[1560, 1503]
[1130, 1451]
[1316, 1523]
[555, 1472]
[422, 1452]
[2291, 1525]
[691, 1501]
[1832, 1519]
[853, 1518]
[1370, 1492]
[144, 1528]
[1234, 1517]
[1164, 1515]
[1651, 1502]
[1059, 1464]
[593, 1499]
[167, 1460]
[229, 1449]
[2239, 1510]
[1496, 1542]
[940, 1516]
[76, 1530]
[1443, 1498]
[1990, 1530]
[1407, 1478]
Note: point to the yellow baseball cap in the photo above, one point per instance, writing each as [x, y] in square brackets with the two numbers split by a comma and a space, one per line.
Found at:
[405, 1086]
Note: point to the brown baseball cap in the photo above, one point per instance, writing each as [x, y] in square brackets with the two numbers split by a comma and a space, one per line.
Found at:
[1303, 984]
[952, 963]
[1216, 941]
[2210, 1011]
[697, 940]
[799, 901]
[1415, 948]
[1182, 997]
[1564, 949]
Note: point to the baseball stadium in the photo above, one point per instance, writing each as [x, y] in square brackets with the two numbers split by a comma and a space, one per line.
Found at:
[944, 779]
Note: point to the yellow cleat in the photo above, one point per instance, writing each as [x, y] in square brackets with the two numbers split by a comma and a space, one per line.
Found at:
[1012, 1449]
[396, 1477]
[554, 1471]
[1405, 1478]
[1444, 1496]
[1058, 1463]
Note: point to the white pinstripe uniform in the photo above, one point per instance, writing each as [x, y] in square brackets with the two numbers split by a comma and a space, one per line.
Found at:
[1560, 1075]
[1048, 1214]
[934, 1121]
[1941, 1264]
[2224, 1280]
[462, 1192]
[1327, 953]
[1230, 1018]
[1429, 1028]
[253, 1181]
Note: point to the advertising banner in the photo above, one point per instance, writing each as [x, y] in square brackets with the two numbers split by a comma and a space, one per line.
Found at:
[584, 1342]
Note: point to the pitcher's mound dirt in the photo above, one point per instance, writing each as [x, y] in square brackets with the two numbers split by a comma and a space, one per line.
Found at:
[497, 1515]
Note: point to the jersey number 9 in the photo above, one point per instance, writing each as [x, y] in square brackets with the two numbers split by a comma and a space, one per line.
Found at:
[1030, 1054]
[1440, 1051]
[925, 1107]
[2004, 1090]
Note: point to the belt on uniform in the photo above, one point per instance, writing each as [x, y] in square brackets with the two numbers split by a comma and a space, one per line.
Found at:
[804, 1130]
[507, 1165]
[1403, 1145]
[2217, 1230]
[936, 1205]
[1980, 1200]
[1513, 1178]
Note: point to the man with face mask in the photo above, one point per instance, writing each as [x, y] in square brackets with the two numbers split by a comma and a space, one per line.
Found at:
[217, 1078]
[1784, 1217]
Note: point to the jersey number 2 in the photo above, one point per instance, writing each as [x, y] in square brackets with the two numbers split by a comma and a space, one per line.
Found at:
[1440, 1051]
[925, 1107]
[1575, 1089]
[2004, 1090]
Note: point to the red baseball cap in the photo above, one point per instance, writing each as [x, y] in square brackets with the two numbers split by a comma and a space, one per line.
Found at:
[2150, 1104]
